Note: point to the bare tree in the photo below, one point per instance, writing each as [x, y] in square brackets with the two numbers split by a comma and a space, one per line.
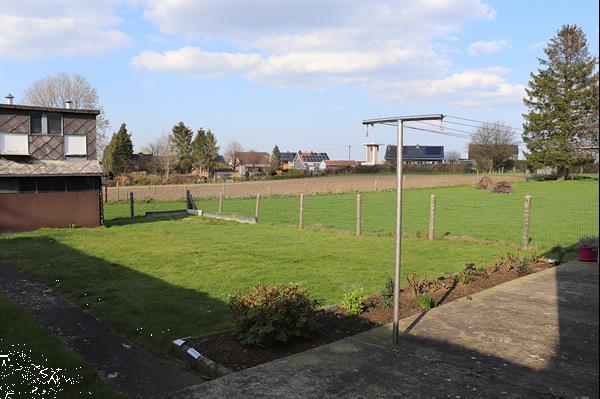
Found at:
[56, 90]
[492, 145]
[163, 153]
[452, 156]
[231, 152]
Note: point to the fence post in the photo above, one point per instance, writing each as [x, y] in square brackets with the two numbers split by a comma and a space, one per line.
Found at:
[375, 185]
[526, 221]
[301, 221]
[118, 199]
[187, 200]
[131, 210]
[358, 214]
[106, 192]
[431, 235]
[257, 210]
[149, 195]
[221, 203]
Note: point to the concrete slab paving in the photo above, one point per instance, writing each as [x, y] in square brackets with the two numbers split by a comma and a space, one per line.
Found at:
[536, 336]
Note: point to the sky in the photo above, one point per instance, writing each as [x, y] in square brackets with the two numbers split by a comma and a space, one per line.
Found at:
[300, 75]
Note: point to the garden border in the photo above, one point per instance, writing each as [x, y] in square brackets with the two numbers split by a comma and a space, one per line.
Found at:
[207, 368]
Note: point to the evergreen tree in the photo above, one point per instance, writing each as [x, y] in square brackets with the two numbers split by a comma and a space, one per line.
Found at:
[181, 137]
[199, 149]
[205, 150]
[118, 154]
[562, 99]
[275, 159]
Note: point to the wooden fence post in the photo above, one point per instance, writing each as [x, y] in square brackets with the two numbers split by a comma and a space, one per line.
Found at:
[131, 210]
[257, 210]
[221, 203]
[358, 214]
[431, 234]
[188, 202]
[118, 199]
[149, 194]
[301, 221]
[526, 221]
[106, 193]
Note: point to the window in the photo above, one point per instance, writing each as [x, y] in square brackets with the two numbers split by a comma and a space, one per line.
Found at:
[35, 120]
[81, 183]
[27, 185]
[8, 185]
[54, 123]
[14, 144]
[51, 184]
[75, 145]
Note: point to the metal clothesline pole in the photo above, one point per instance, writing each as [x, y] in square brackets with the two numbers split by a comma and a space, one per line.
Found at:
[399, 120]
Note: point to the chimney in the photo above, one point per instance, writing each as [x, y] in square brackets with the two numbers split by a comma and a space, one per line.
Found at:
[9, 98]
[68, 104]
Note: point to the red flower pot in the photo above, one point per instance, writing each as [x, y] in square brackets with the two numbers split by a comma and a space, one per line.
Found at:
[588, 254]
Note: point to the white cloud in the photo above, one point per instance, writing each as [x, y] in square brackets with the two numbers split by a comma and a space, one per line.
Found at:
[196, 63]
[490, 47]
[45, 30]
[388, 47]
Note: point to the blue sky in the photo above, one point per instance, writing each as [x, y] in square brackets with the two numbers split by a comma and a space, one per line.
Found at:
[301, 75]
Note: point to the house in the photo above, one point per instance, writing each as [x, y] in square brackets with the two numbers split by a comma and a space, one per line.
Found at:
[329, 165]
[287, 160]
[49, 175]
[222, 169]
[253, 163]
[143, 161]
[309, 160]
[415, 154]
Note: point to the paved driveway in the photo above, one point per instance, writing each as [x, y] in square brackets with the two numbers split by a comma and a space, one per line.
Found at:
[536, 336]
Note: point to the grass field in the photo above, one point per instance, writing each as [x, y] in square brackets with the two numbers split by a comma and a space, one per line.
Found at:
[561, 212]
[20, 333]
[158, 279]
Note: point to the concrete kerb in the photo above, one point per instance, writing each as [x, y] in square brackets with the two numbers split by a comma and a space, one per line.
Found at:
[212, 215]
[157, 214]
[207, 368]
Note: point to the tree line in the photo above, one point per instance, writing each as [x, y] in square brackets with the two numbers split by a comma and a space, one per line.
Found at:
[199, 151]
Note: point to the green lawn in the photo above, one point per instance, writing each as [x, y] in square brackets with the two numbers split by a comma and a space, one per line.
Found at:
[21, 336]
[165, 279]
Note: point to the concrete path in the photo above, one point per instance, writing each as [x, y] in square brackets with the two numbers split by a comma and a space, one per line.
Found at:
[532, 337]
[129, 368]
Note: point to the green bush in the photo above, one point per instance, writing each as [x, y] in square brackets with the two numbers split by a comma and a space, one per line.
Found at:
[426, 301]
[274, 314]
[354, 301]
[387, 295]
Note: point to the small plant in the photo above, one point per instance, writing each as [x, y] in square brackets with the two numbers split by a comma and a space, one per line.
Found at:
[502, 187]
[484, 183]
[426, 301]
[471, 272]
[74, 226]
[387, 295]
[274, 314]
[523, 268]
[588, 242]
[353, 302]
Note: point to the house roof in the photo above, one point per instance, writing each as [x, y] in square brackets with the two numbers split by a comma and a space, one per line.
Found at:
[49, 109]
[340, 163]
[312, 156]
[288, 156]
[37, 167]
[253, 158]
[415, 152]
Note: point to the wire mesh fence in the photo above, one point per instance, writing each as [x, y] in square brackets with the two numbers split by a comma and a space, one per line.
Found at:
[560, 213]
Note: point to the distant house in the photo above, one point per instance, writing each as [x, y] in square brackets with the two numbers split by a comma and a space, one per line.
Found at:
[337, 164]
[222, 169]
[309, 160]
[287, 160]
[253, 163]
[415, 154]
[49, 175]
[143, 162]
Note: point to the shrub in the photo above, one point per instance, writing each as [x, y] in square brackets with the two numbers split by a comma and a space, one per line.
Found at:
[426, 301]
[588, 241]
[387, 295]
[484, 183]
[274, 314]
[470, 273]
[523, 268]
[353, 302]
[502, 187]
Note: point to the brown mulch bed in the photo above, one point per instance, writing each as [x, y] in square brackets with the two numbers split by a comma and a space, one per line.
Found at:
[224, 349]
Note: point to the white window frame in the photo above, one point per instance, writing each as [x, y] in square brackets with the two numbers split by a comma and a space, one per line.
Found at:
[73, 148]
[12, 137]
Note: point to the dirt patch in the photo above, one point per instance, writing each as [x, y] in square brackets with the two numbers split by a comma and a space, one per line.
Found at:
[224, 349]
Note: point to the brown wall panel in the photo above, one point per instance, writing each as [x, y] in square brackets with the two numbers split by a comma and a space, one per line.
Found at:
[45, 146]
[14, 123]
[30, 211]
[79, 124]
